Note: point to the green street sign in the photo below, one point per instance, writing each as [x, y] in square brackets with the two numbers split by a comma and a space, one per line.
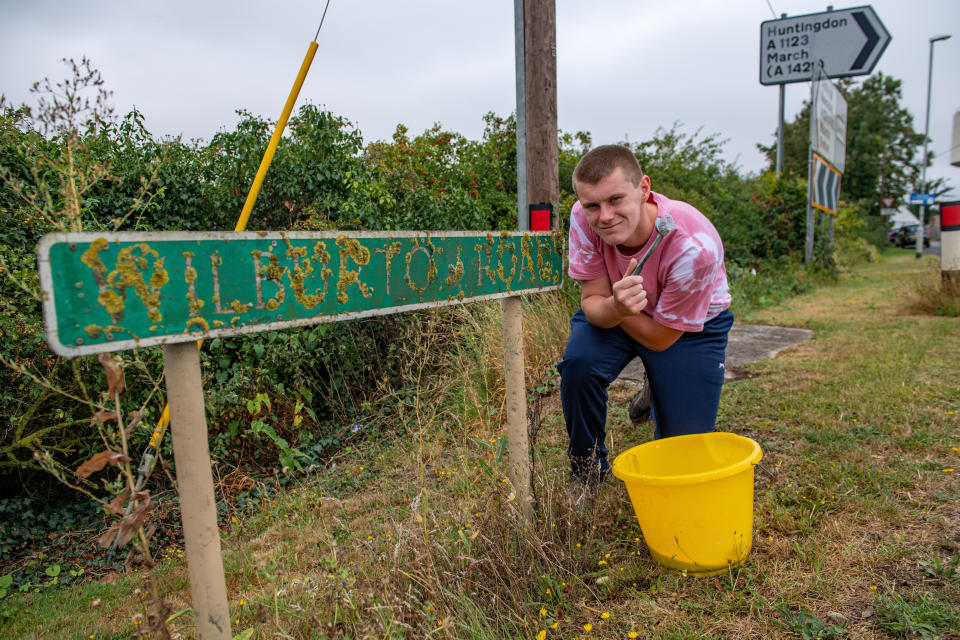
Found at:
[115, 291]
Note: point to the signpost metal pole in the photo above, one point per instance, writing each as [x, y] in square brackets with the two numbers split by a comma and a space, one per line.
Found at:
[808, 246]
[783, 92]
[515, 394]
[198, 504]
[783, 98]
[926, 137]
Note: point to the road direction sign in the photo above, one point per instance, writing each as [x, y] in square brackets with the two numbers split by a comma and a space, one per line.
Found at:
[849, 41]
[923, 198]
[107, 292]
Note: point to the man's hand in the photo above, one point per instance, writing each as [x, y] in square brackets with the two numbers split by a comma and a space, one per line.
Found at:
[629, 296]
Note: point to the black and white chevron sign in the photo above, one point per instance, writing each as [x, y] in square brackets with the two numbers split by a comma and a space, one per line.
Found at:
[825, 194]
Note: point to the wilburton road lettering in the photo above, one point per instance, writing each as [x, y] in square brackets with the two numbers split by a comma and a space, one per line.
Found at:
[140, 289]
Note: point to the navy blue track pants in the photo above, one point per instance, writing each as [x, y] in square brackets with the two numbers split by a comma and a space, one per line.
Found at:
[685, 380]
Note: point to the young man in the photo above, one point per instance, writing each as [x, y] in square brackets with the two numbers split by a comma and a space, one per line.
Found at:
[675, 315]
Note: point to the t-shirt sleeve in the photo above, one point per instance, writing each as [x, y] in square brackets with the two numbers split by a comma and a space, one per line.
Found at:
[685, 299]
[586, 261]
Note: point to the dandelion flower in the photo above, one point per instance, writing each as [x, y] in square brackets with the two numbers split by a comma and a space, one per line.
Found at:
[543, 612]
[555, 625]
[548, 591]
[948, 470]
[542, 635]
[633, 634]
[873, 587]
[588, 627]
[605, 615]
[242, 602]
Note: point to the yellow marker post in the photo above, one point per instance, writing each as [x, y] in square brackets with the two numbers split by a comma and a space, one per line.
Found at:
[275, 140]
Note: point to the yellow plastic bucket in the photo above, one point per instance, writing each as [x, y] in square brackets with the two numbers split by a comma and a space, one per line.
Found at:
[693, 496]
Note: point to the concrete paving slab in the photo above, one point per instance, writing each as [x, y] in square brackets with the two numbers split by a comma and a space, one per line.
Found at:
[747, 343]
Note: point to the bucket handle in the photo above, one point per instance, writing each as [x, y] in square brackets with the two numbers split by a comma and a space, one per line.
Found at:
[765, 470]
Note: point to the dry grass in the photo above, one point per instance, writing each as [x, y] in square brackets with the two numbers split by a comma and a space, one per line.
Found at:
[416, 535]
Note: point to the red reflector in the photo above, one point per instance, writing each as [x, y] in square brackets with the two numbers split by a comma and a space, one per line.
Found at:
[540, 220]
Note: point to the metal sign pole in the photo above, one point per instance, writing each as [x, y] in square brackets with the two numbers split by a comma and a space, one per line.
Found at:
[808, 249]
[780, 130]
[198, 505]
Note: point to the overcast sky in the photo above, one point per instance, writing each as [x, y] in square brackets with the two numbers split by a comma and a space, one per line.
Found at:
[625, 67]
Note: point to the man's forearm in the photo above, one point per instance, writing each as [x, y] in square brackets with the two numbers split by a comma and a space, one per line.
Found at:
[648, 332]
[601, 311]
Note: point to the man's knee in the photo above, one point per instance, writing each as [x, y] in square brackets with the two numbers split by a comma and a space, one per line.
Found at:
[578, 370]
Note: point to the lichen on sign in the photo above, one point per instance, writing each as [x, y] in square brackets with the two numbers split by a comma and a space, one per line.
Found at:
[123, 290]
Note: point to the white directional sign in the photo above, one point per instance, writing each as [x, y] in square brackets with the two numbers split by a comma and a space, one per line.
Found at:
[849, 41]
[829, 132]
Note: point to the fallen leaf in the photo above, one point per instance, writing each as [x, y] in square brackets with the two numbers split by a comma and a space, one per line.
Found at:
[114, 374]
[116, 505]
[99, 461]
[136, 519]
[135, 418]
[101, 417]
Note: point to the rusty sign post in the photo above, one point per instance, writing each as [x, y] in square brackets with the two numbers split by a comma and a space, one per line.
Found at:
[117, 291]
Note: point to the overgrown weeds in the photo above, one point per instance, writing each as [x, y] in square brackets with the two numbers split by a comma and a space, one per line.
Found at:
[941, 298]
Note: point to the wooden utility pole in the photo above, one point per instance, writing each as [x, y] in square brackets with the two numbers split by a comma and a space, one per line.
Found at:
[540, 75]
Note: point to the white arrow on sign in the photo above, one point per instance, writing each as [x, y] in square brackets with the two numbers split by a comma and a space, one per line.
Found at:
[849, 41]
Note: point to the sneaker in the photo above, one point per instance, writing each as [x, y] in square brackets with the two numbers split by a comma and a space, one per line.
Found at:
[580, 495]
[581, 492]
[639, 410]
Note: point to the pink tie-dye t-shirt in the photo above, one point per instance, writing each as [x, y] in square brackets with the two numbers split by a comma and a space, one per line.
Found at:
[685, 278]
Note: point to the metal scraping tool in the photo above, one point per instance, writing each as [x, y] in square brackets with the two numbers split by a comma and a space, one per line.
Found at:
[663, 225]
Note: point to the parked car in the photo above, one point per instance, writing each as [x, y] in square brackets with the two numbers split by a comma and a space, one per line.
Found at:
[906, 236]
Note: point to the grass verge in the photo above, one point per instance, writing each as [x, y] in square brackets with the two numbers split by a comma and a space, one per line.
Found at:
[416, 535]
